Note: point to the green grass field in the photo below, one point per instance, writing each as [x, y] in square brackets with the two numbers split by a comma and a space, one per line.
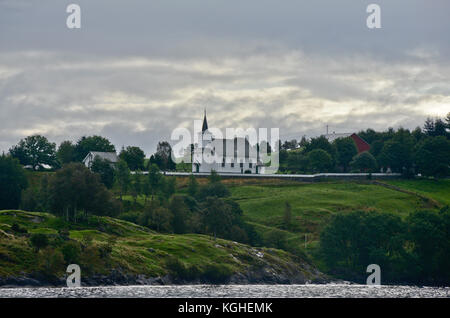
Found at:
[314, 203]
[438, 190]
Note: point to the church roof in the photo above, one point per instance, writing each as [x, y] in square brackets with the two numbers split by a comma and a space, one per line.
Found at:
[205, 123]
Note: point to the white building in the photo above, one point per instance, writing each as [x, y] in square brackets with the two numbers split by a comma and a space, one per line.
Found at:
[224, 155]
[110, 156]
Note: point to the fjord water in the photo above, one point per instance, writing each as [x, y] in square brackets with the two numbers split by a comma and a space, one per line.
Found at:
[233, 291]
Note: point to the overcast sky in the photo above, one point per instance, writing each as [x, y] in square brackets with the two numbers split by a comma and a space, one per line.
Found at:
[138, 69]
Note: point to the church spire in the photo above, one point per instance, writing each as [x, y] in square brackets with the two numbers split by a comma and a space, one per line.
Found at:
[205, 123]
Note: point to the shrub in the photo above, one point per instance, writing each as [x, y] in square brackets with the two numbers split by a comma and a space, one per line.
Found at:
[39, 241]
[18, 229]
[180, 271]
[216, 274]
[51, 263]
[364, 162]
[71, 252]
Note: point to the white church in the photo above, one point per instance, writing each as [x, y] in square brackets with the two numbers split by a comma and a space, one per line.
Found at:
[224, 155]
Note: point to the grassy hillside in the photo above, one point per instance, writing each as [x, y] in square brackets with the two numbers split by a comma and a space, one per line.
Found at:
[137, 250]
[438, 190]
[314, 203]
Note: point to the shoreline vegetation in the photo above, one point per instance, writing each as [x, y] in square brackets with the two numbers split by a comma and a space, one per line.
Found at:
[131, 254]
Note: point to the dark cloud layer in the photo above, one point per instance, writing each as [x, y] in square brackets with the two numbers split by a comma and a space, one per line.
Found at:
[138, 69]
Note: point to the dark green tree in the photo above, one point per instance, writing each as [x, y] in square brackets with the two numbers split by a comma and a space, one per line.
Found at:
[66, 152]
[433, 157]
[192, 186]
[39, 241]
[136, 186]
[346, 150]
[134, 157]
[74, 188]
[105, 169]
[154, 177]
[122, 177]
[364, 162]
[320, 160]
[12, 182]
[35, 151]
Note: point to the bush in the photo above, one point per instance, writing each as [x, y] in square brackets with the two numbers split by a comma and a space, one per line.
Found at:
[132, 217]
[39, 241]
[276, 239]
[215, 189]
[18, 229]
[71, 252]
[51, 263]
[216, 274]
[364, 162]
[180, 271]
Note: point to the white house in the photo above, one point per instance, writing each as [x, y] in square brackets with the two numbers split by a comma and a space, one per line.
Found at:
[224, 155]
[110, 156]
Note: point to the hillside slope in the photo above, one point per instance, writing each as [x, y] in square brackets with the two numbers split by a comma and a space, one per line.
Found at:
[313, 204]
[138, 255]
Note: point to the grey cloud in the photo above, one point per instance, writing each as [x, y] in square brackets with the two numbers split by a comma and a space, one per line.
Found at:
[138, 69]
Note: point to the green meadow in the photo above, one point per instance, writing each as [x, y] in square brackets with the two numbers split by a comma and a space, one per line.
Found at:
[313, 204]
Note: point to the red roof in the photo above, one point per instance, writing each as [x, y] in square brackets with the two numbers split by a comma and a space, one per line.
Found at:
[361, 144]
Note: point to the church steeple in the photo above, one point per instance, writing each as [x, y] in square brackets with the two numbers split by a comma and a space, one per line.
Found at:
[205, 123]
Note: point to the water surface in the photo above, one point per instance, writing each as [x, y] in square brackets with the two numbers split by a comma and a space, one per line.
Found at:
[232, 291]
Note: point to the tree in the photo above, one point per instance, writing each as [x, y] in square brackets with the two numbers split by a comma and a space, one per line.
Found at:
[154, 177]
[36, 151]
[134, 157]
[170, 187]
[346, 150]
[136, 187]
[66, 152]
[370, 135]
[214, 177]
[180, 212]
[435, 127]
[92, 143]
[192, 186]
[12, 182]
[105, 169]
[353, 240]
[146, 190]
[161, 218]
[440, 128]
[321, 143]
[376, 147]
[217, 216]
[71, 251]
[122, 177]
[74, 188]
[39, 241]
[163, 157]
[319, 160]
[433, 157]
[398, 152]
[364, 162]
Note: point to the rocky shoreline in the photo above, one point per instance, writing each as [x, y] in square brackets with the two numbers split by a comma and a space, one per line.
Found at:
[118, 278]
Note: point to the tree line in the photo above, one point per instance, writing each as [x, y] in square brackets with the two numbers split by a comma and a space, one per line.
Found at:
[415, 250]
[36, 151]
[423, 150]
